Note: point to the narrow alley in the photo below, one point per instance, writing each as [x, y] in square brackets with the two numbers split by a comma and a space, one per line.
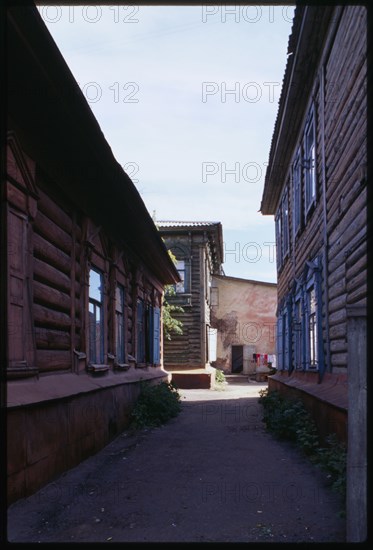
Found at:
[212, 474]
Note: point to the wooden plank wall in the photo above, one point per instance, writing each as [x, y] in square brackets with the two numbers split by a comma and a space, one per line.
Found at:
[58, 286]
[345, 159]
[185, 350]
[57, 315]
[345, 140]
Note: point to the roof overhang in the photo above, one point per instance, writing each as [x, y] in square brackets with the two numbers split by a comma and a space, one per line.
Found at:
[214, 231]
[57, 128]
[306, 41]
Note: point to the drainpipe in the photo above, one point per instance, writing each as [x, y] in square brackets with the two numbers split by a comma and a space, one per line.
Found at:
[325, 220]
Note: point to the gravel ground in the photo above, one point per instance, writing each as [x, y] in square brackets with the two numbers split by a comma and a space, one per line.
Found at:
[213, 474]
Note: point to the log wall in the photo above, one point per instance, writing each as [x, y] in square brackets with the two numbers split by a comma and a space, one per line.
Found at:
[341, 131]
[346, 157]
[189, 349]
[51, 247]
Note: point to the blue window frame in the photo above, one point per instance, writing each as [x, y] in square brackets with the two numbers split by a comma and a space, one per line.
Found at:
[284, 337]
[297, 192]
[307, 320]
[278, 223]
[285, 224]
[156, 336]
[309, 161]
[298, 332]
[96, 316]
[313, 360]
[282, 229]
[140, 332]
[280, 343]
[120, 324]
[148, 333]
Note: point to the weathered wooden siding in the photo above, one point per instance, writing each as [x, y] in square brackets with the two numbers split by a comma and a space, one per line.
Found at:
[56, 283]
[344, 141]
[185, 350]
[345, 155]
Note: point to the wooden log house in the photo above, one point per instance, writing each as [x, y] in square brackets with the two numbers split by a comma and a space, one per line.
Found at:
[198, 248]
[316, 188]
[83, 270]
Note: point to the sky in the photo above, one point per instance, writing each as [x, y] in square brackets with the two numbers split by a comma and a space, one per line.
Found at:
[187, 98]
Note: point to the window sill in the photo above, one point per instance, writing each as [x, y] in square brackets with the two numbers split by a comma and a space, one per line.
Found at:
[121, 367]
[181, 299]
[97, 368]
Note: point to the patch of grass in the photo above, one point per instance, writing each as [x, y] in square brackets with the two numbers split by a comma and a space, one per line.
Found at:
[156, 404]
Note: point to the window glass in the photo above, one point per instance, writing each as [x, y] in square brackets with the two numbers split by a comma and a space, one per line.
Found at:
[310, 161]
[95, 285]
[95, 312]
[313, 328]
[119, 323]
[180, 266]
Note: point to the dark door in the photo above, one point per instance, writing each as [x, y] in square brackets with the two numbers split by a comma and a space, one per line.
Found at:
[237, 359]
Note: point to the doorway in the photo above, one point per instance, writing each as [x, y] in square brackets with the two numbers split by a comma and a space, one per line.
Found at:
[237, 359]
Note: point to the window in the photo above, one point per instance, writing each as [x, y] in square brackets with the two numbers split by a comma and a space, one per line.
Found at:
[278, 240]
[148, 333]
[156, 336]
[297, 193]
[280, 343]
[282, 230]
[284, 336]
[140, 332]
[180, 287]
[309, 161]
[285, 224]
[286, 346]
[312, 348]
[312, 329]
[119, 323]
[96, 318]
[298, 335]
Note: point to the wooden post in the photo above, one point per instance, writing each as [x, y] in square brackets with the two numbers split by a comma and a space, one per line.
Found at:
[356, 498]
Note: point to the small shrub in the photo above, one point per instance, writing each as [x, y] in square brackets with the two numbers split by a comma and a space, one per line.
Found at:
[288, 419]
[156, 405]
[219, 376]
[333, 459]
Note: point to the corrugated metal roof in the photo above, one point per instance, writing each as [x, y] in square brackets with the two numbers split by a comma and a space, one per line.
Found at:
[170, 223]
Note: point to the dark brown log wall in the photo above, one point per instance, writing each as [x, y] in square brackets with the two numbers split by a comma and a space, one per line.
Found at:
[56, 283]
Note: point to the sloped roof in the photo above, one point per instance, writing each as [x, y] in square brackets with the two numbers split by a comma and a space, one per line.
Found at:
[56, 127]
[305, 44]
[213, 229]
[162, 223]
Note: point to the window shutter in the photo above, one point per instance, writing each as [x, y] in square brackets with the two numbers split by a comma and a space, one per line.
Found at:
[289, 342]
[149, 333]
[156, 336]
[140, 335]
[280, 361]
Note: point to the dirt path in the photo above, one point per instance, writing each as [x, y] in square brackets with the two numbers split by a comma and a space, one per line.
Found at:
[211, 474]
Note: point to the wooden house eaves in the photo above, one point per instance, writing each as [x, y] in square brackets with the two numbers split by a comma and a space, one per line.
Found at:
[57, 128]
[310, 26]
